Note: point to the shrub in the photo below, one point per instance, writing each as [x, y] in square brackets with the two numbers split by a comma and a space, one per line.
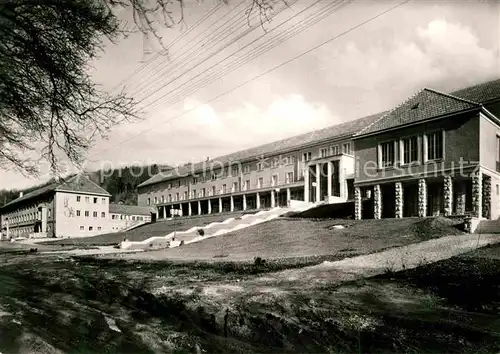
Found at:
[258, 261]
[201, 232]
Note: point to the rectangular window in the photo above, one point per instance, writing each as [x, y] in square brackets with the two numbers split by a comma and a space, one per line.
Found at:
[94, 214]
[87, 199]
[193, 193]
[246, 168]
[98, 228]
[203, 192]
[163, 199]
[247, 185]
[214, 176]
[195, 180]
[306, 156]
[435, 146]
[289, 177]
[177, 196]
[78, 198]
[223, 189]
[91, 228]
[82, 228]
[49, 213]
[185, 195]
[260, 166]
[410, 150]
[335, 150]
[235, 187]
[103, 214]
[133, 217]
[323, 152]
[156, 200]
[95, 200]
[234, 171]
[346, 148]
[169, 185]
[498, 153]
[260, 182]
[103, 200]
[78, 213]
[214, 190]
[387, 154]
[274, 180]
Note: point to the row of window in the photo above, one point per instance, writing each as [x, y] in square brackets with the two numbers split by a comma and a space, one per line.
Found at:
[331, 151]
[95, 200]
[90, 228]
[125, 217]
[87, 213]
[410, 149]
[235, 188]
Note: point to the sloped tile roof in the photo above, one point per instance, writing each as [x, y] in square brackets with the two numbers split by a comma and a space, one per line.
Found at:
[480, 93]
[130, 209]
[424, 105]
[78, 183]
[334, 132]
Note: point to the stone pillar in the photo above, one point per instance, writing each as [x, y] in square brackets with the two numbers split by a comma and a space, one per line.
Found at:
[199, 207]
[257, 200]
[318, 189]
[171, 211]
[448, 195]
[209, 206]
[422, 198]
[231, 203]
[398, 195]
[486, 212]
[307, 198]
[220, 205]
[288, 196]
[329, 177]
[244, 202]
[377, 202]
[273, 199]
[358, 203]
[477, 194]
[460, 193]
[189, 209]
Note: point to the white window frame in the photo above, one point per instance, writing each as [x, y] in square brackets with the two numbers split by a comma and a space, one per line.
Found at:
[335, 150]
[381, 165]
[274, 180]
[260, 182]
[289, 177]
[402, 150]
[323, 152]
[426, 145]
[348, 144]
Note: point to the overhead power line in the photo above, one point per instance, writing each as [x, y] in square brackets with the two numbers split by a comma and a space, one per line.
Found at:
[253, 53]
[331, 39]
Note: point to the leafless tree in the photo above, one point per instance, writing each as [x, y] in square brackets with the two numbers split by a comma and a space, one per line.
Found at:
[49, 106]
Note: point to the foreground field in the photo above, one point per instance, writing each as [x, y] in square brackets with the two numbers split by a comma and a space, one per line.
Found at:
[62, 304]
[291, 238]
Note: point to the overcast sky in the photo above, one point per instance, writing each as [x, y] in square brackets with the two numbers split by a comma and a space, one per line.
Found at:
[444, 45]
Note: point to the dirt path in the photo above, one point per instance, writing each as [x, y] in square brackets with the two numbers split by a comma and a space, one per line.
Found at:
[331, 273]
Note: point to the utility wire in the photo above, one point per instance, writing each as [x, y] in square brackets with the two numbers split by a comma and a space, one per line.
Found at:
[254, 53]
[331, 39]
[211, 54]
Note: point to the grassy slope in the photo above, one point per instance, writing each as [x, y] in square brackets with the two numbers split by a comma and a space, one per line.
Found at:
[289, 237]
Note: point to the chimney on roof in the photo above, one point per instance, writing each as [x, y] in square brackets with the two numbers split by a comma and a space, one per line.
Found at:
[21, 194]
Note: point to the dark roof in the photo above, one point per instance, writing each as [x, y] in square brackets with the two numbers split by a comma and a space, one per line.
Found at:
[480, 93]
[424, 105]
[130, 209]
[78, 184]
[334, 132]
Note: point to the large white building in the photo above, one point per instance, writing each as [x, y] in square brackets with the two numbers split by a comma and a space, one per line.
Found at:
[76, 207]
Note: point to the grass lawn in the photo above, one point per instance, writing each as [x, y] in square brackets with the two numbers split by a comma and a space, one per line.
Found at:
[297, 238]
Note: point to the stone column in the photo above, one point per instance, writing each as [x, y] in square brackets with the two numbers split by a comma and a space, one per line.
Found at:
[199, 207]
[189, 209]
[329, 177]
[257, 200]
[398, 195]
[377, 202]
[209, 206]
[231, 203]
[306, 184]
[358, 203]
[171, 211]
[288, 196]
[244, 202]
[318, 189]
[448, 195]
[486, 212]
[273, 199]
[477, 194]
[422, 198]
[460, 192]
[220, 205]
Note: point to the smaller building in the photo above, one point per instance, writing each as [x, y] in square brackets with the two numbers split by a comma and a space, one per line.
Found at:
[123, 217]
